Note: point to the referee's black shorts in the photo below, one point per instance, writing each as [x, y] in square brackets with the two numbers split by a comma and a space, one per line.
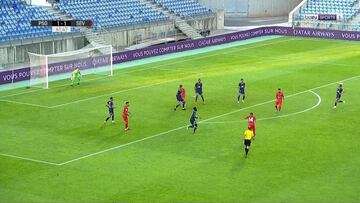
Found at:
[247, 142]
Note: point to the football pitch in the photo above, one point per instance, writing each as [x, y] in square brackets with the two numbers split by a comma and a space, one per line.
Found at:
[55, 147]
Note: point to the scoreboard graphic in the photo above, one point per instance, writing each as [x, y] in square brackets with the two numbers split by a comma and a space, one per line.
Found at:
[70, 23]
[62, 25]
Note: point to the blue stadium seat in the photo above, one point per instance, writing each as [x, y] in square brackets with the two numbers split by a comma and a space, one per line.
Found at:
[16, 17]
[344, 8]
[111, 13]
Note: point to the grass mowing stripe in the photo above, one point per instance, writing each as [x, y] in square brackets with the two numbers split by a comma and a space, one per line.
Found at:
[203, 121]
[120, 91]
[210, 55]
[291, 58]
[158, 66]
[175, 129]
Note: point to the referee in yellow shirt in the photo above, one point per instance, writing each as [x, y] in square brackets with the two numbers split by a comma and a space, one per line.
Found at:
[248, 135]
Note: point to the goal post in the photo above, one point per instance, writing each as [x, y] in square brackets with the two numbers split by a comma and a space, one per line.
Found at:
[93, 59]
[39, 71]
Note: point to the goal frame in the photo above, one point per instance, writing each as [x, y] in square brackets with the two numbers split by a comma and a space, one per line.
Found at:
[68, 54]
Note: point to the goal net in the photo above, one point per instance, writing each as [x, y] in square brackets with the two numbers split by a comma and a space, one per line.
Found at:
[92, 59]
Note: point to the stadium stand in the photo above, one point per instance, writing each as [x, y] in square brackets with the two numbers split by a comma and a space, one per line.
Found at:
[342, 7]
[357, 28]
[110, 13]
[183, 8]
[15, 21]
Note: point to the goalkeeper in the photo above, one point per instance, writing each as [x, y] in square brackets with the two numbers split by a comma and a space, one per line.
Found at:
[75, 77]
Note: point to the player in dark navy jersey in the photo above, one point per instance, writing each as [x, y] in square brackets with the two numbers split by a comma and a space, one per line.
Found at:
[198, 91]
[241, 91]
[339, 92]
[180, 98]
[110, 105]
[193, 119]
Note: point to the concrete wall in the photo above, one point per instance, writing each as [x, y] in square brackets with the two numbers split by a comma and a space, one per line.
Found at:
[252, 8]
[220, 17]
[17, 55]
[267, 8]
[121, 38]
[204, 24]
[213, 4]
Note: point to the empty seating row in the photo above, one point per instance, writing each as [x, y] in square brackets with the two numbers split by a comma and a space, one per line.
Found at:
[16, 17]
[344, 8]
[183, 8]
[110, 13]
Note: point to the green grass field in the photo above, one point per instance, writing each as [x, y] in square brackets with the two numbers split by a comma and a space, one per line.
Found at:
[55, 148]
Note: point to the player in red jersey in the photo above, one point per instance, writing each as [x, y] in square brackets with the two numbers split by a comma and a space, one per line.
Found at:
[183, 96]
[125, 115]
[279, 100]
[251, 122]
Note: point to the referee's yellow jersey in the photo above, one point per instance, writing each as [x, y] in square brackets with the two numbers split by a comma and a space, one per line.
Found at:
[248, 134]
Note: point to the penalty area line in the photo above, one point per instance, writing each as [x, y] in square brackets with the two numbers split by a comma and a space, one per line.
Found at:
[51, 88]
[29, 159]
[120, 91]
[24, 103]
[275, 117]
[168, 131]
[203, 121]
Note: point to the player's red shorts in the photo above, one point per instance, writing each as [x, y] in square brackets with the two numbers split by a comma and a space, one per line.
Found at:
[125, 118]
[252, 127]
[278, 102]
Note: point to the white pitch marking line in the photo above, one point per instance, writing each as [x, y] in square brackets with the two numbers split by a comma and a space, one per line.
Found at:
[166, 132]
[155, 67]
[29, 159]
[121, 91]
[135, 88]
[203, 121]
[176, 62]
[275, 117]
[140, 87]
[53, 87]
[161, 65]
[24, 103]
[123, 145]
